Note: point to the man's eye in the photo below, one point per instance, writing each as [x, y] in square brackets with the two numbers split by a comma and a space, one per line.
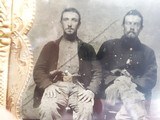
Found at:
[137, 24]
[75, 20]
[65, 19]
[128, 23]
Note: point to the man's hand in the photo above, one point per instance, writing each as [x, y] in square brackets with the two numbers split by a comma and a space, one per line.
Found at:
[116, 72]
[125, 73]
[52, 91]
[56, 75]
[123, 81]
[86, 96]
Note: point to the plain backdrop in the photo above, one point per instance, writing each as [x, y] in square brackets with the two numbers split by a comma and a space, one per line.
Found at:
[100, 20]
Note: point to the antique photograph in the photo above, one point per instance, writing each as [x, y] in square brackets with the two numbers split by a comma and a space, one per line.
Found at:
[82, 60]
[70, 37]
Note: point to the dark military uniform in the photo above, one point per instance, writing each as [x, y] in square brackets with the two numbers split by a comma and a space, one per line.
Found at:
[138, 59]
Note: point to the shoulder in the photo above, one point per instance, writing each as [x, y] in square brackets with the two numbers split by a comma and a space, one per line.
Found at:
[111, 42]
[86, 51]
[147, 49]
[85, 45]
[52, 43]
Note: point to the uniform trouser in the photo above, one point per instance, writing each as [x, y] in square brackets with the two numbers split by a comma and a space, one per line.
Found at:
[133, 107]
[135, 111]
[53, 108]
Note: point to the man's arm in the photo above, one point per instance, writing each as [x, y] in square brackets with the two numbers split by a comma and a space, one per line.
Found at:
[41, 70]
[148, 80]
[102, 56]
[96, 77]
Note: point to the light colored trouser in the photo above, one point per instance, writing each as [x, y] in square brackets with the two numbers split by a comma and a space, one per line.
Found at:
[133, 107]
[53, 108]
[135, 111]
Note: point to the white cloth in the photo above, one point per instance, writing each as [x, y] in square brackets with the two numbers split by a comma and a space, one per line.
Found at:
[123, 89]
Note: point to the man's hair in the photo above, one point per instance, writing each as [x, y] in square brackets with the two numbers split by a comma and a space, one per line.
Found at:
[136, 13]
[71, 10]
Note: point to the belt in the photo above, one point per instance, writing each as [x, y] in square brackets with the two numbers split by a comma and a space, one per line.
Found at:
[74, 79]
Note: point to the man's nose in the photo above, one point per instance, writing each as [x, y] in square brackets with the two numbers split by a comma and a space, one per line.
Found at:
[69, 23]
[132, 26]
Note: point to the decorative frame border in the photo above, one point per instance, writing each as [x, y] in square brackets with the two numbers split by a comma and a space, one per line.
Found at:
[16, 57]
[16, 21]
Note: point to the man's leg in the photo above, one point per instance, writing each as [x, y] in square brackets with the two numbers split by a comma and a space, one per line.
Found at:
[133, 104]
[52, 107]
[132, 111]
[82, 110]
[133, 101]
[122, 114]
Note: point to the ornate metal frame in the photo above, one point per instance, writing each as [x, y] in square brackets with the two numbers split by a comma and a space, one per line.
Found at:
[16, 57]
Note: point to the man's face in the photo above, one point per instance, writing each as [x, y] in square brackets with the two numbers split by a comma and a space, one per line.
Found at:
[132, 26]
[70, 22]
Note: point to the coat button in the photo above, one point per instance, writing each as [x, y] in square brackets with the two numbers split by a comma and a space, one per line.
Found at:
[130, 49]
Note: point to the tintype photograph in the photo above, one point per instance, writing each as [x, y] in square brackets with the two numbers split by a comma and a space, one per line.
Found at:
[83, 60]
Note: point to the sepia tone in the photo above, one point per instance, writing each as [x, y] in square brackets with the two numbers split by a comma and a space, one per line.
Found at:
[28, 25]
[15, 51]
[101, 21]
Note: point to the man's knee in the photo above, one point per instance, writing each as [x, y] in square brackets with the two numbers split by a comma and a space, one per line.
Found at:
[49, 112]
[86, 108]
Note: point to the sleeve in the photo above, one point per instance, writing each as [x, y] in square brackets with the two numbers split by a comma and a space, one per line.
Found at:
[103, 58]
[96, 77]
[148, 80]
[89, 68]
[40, 72]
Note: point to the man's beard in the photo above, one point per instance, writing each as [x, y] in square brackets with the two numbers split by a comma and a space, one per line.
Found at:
[70, 37]
[131, 42]
[131, 35]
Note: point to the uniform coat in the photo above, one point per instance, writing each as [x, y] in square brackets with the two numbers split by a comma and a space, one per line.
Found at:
[48, 60]
[138, 59]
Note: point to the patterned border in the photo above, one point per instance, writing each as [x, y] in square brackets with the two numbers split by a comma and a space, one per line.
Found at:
[16, 58]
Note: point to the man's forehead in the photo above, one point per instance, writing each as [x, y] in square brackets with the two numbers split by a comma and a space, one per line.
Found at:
[134, 18]
[70, 13]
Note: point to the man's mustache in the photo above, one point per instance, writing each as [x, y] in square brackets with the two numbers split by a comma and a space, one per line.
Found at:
[131, 32]
[69, 28]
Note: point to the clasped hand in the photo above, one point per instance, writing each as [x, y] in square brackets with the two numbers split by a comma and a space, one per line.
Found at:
[86, 96]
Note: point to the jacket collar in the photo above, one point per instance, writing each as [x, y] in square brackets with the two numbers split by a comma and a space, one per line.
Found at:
[59, 40]
[131, 43]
